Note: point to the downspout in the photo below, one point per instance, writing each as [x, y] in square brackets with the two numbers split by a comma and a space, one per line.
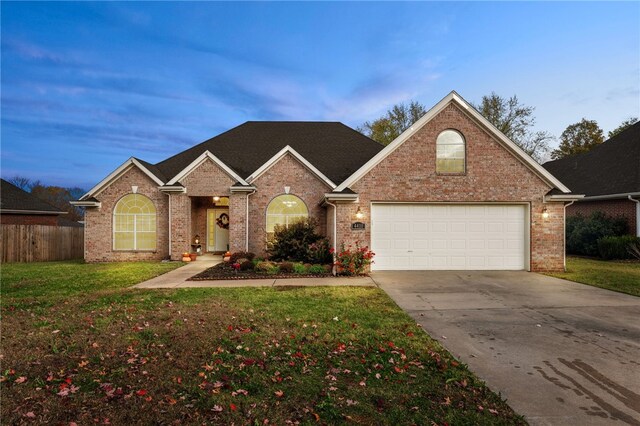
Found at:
[246, 225]
[335, 232]
[564, 231]
[169, 195]
[637, 215]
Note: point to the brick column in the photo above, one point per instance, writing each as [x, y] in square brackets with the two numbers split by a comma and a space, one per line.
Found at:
[180, 228]
[237, 221]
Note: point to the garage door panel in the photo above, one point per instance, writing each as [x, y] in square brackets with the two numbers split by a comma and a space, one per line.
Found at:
[441, 236]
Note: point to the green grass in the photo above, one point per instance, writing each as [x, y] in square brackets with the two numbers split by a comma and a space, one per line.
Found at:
[622, 276]
[80, 345]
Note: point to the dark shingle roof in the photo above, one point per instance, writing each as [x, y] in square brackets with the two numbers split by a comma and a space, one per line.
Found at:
[14, 198]
[333, 148]
[612, 167]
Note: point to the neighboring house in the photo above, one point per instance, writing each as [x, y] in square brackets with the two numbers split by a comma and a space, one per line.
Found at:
[451, 192]
[608, 175]
[18, 207]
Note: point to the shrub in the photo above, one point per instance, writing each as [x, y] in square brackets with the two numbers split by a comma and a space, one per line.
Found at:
[286, 267]
[273, 270]
[299, 268]
[264, 266]
[354, 261]
[317, 269]
[617, 247]
[247, 265]
[292, 242]
[583, 232]
[320, 252]
[241, 255]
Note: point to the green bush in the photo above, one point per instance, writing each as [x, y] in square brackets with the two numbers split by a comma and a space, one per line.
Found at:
[317, 270]
[299, 268]
[299, 242]
[583, 232]
[265, 266]
[617, 247]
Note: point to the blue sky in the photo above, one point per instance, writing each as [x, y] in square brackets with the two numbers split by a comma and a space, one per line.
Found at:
[87, 85]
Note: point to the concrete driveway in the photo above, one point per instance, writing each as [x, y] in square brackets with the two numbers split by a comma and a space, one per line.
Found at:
[558, 351]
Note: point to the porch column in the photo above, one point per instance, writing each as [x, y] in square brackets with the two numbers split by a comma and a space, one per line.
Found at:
[180, 224]
[238, 221]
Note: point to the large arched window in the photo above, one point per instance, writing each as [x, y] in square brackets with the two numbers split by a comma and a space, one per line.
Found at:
[284, 210]
[450, 152]
[134, 223]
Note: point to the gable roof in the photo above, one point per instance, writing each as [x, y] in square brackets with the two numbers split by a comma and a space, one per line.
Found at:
[333, 148]
[612, 167]
[15, 200]
[453, 97]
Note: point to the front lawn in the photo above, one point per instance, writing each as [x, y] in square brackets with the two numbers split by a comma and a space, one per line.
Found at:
[622, 276]
[77, 346]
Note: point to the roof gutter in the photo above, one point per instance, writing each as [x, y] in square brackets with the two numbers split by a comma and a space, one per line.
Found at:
[341, 197]
[562, 197]
[637, 215]
[38, 212]
[85, 203]
[612, 196]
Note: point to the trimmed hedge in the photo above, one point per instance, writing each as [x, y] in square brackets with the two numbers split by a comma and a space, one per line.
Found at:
[617, 247]
[583, 232]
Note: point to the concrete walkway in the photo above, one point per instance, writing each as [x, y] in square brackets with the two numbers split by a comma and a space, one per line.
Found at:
[561, 353]
[178, 278]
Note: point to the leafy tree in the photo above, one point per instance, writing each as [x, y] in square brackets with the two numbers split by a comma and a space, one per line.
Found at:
[396, 120]
[516, 121]
[60, 197]
[623, 126]
[579, 138]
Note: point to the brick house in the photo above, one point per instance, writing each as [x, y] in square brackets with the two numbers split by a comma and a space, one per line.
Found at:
[608, 175]
[18, 207]
[451, 192]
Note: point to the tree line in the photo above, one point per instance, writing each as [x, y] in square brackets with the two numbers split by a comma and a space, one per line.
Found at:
[508, 115]
[57, 196]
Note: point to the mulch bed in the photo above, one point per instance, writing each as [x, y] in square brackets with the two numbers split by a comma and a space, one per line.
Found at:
[223, 272]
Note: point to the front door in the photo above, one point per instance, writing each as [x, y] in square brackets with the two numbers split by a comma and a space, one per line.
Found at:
[218, 230]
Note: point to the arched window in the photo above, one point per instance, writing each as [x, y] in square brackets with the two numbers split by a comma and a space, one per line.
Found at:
[134, 223]
[450, 152]
[284, 210]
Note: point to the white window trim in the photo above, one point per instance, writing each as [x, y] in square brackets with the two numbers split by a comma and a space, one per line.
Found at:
[286, 216]
[135, 226]
[464, 153]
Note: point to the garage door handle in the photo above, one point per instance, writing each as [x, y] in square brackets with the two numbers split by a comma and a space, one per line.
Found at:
[409, 251]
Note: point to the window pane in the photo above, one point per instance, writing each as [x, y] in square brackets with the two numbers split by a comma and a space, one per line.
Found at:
[285, 210]
[450, 152]
[134, 223]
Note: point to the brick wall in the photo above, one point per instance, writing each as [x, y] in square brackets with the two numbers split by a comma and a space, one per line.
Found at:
[302, 182]
[614, 208]
[492, 175]
[98, 222]
[28, 219]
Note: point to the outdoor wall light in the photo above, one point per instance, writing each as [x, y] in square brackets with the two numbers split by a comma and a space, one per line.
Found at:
[545, 213]
[216, 199]
[196, 240]
[359, 214]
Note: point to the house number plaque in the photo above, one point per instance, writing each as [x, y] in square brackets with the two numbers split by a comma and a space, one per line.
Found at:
[357, 226]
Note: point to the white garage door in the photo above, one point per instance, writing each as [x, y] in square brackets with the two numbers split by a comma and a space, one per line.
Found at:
[448, 237]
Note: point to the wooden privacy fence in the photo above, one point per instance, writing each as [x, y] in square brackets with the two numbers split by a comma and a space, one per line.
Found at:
[40, 243]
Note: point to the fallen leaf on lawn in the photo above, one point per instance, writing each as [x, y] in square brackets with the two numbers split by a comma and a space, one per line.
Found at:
[233, 407]
[55, 332]
[279, 393]
[30, 415]
[492, 411]
[20, 379]
[362, 383]
[216, 409]
[141, 392]
[83, 363]
[336, 319]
